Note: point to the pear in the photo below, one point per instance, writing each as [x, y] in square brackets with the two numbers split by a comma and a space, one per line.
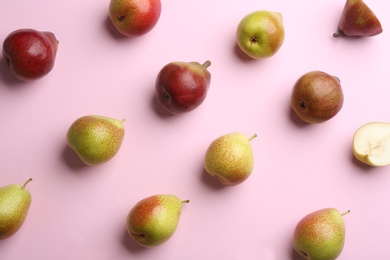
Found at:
[182, 86]
[153, 220]
[96, 139]
[317, 97]
[229, 158]
[320, 235]
[357, 19]
[371, 144]
[15, 201]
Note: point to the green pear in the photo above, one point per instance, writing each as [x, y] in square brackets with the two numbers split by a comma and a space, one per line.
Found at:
[229, 158]
[320, 235]
[153, 220]
[96, 139]
[357, 19]
[260, 34]
[15, 201]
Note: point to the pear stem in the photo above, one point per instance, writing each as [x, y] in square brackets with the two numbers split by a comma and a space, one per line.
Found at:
[345, 213]
[185, 201]
[123, 120]
[338, 33]
[206, 64]
[252, 137]
[24, 185]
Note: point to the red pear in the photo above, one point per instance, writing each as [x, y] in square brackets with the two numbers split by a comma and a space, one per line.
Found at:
[30, 53]
[134, 17]
[182, 86]
[357, 19]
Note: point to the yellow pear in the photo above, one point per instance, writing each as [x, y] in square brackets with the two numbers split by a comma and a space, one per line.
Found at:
[229, 158]
[15, 201]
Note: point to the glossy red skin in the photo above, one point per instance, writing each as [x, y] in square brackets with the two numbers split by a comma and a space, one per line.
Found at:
[29, 53]
[134, 17]
[182, 86]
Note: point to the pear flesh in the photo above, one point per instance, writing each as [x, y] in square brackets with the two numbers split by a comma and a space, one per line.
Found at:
[371, 144]
[15, 201]
[229, 158]
[320, 235]
[96, 139]
[153, 220]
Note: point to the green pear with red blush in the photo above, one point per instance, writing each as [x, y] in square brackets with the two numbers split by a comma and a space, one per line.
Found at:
[182, 86]
[153, 220]
[96, 139]
[30, 54]
[320, 235]
[357, 19]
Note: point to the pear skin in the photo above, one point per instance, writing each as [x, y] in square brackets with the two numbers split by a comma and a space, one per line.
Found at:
[320, 235]
[153, 220]
[96, 139]
[229, 158]
[15, 201]
[357, 19]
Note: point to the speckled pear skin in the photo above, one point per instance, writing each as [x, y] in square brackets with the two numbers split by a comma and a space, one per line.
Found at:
[96, 139]
[153, 220]
[320, 235]
[229, 158]
[15, 201]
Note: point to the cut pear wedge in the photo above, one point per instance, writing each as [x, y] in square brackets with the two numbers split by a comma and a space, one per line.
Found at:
[371, 144]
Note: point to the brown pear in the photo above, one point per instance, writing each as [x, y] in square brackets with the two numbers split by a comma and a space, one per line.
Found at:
[357, 19]
[317, 97]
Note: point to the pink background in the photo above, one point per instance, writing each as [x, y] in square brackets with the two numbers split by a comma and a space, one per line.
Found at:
[79, 212]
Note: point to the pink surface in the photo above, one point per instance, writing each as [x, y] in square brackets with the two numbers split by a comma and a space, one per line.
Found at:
[79, 212]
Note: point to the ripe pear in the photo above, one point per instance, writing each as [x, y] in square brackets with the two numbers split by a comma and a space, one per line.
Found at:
[153, 220]
[320, 235]
[260, 34]
[317, 97]
[371, 144]
[182, 86]
[15, 201]
[357, 19]
[96, 139]
[229, 158]
[30, 54]
[134, 17]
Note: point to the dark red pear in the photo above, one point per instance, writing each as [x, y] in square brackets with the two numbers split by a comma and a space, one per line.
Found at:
[317, 97]
[29, 53]
[182, 86]
[357, 19]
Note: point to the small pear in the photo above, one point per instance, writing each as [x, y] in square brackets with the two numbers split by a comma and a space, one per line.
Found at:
[15, 201]
[182, 86]
[371, 144]
[317, 97]
[320, 235]
[357, 19]
[229, 158]
[153, 220]
[96, 139]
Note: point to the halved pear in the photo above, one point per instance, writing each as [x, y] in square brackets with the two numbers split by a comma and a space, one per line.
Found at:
[371, 143]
